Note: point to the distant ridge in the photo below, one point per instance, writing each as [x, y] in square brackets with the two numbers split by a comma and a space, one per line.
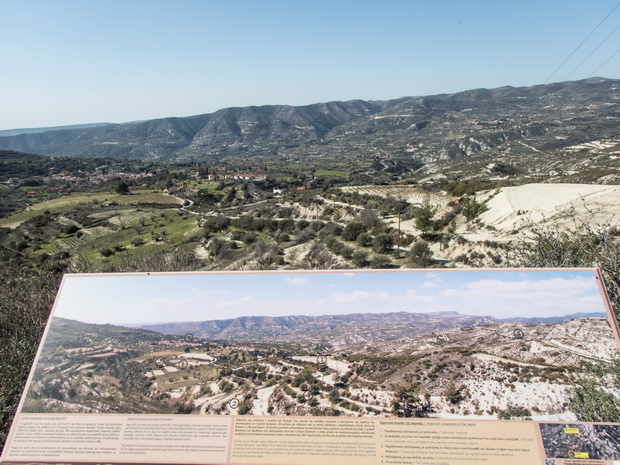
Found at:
[556, 319]
[506, 121]
[386, 325]
[15, 132]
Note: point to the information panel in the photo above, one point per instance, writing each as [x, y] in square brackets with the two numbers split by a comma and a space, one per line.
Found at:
[393, 367]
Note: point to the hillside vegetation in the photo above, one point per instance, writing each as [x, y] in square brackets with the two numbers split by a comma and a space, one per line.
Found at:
[486, 178]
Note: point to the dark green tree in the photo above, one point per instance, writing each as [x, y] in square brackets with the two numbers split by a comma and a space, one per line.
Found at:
[364, 240]
[352, 230]
[395, 206]
[420, 255]
[424, 217]
[383, 243]
[122, 188]
[369, 218]
[346, 251]
[473, 208]
[360, 258]
[407, 402]
[334, 396]
[220, 248]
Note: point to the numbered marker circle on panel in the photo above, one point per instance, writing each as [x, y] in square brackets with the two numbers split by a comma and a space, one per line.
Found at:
[384, 365]
[233, 403]
[134, 344]
[518, 334]
[189, 337]
[321, 359]
[183, 364]
[307, 395]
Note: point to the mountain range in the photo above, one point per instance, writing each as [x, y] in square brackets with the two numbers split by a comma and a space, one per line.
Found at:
[504, 121]
[14, 132]
[350, 330]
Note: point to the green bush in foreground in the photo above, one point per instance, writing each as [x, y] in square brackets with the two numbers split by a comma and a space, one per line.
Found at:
[592, 399]
[26, 298]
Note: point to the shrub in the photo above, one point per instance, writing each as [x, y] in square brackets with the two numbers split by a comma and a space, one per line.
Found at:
[346, 251]
[71, 229]
[249, 238]
[383, 243]
[282, 237]
[304, 235]
[364, 240]
[583, 246]
[285, 212]
[513, 411]
[369, 218]
[453, 394]
[360, 258]
[334, 245]
[106, 252]
[317, 226]
[334, 396]
[332, 229]
[287, 225]
[381, 261]
[593, 397]
[420, 255]
[220, 248]
[352, 230]
[216, 223]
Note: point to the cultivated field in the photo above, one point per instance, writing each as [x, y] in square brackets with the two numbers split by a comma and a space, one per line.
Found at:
[105, 198]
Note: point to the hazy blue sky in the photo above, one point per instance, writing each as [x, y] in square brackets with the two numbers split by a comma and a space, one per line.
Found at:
[182, 297]
[76, 61]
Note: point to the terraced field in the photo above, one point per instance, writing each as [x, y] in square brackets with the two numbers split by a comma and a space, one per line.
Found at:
[68, 243]
[109, 198]
[125, 217]
[159, 229]
[339, 173]
[97, 231]
[413, 195]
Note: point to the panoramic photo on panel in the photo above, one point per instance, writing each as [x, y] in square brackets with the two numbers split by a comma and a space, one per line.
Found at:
[440, 344]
